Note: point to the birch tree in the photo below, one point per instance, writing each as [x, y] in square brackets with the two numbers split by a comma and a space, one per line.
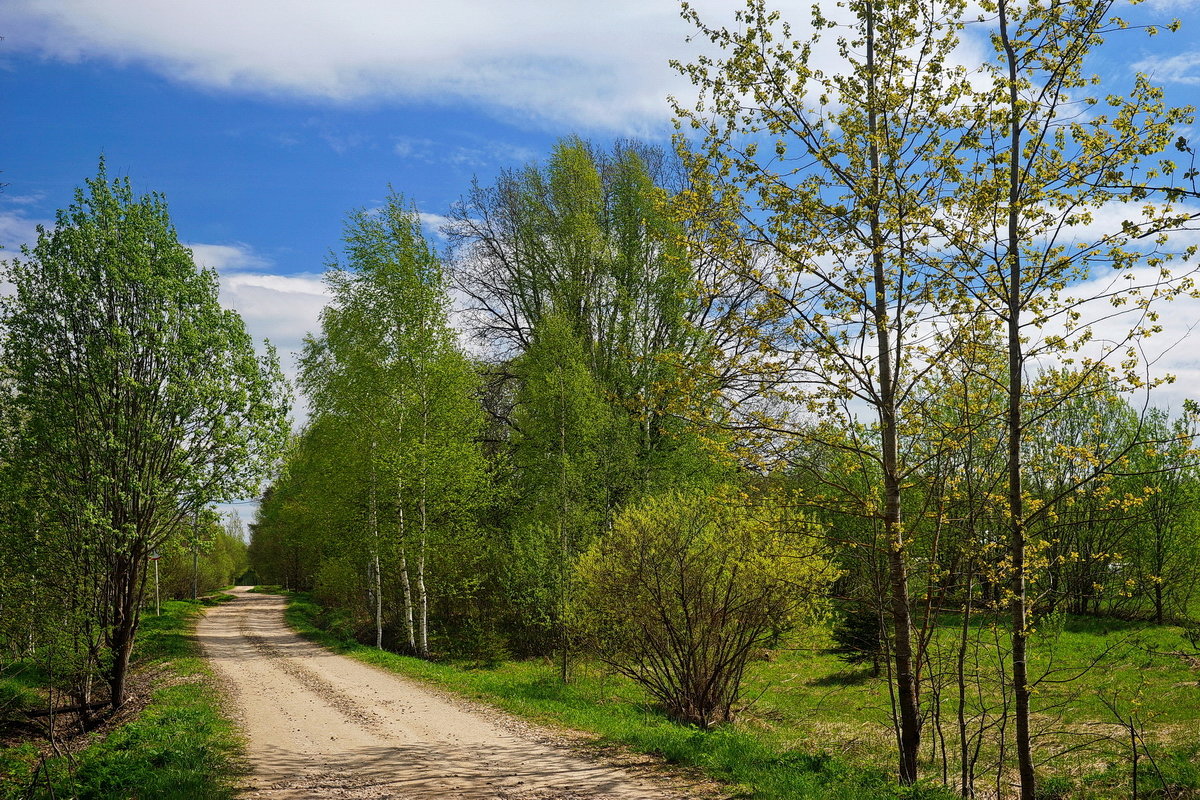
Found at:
[388, 364]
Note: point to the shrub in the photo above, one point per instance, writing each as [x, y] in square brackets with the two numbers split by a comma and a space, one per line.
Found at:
[684, 589]
[857, 638]
[337, 585]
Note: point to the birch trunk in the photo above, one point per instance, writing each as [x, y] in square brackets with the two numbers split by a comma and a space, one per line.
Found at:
[405, 585]
[422, 594]
[374, 513]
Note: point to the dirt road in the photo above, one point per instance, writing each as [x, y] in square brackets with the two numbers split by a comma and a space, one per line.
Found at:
[322, 725]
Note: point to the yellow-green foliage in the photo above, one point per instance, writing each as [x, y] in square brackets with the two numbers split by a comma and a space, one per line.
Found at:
[686, 589]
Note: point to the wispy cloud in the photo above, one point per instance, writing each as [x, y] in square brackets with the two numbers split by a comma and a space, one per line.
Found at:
[433, 225]
[275, 307]
[483, 154]
[1181, 68]
[18, 228]
[22, 199]
[537, 61]
[225, 257]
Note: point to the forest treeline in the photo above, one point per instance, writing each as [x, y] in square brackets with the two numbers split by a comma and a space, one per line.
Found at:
[860, 351]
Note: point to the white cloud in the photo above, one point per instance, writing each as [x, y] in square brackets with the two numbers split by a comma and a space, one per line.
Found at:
[481, 154]
[16, 229]
[22, 199]
[432, 224]
[1170, 352]
[279, 308]
[559, 61]
[1108, 220]
[225, 257]
[1181, 68]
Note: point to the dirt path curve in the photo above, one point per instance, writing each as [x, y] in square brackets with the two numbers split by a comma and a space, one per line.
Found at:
[322, 725]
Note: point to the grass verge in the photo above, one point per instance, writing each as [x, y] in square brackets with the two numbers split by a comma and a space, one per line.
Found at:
[181, 746]
[614, 711]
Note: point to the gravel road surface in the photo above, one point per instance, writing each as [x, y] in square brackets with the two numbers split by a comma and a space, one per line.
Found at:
[322, 725]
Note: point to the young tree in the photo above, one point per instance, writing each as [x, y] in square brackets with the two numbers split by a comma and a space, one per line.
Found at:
[387, 367]
[1043, 172]
[1165, 552]
[140, 399]
[564, 433]
[848, 172]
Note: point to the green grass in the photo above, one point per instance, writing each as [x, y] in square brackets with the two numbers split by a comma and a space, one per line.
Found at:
[616, 711]
[180, 747]
[1086, 662]
[19, 682]
[820, 729]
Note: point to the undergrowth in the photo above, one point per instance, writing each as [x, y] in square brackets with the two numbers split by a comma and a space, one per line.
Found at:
[181, 746]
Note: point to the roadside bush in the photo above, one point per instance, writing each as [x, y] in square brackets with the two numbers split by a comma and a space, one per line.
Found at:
[684, 589]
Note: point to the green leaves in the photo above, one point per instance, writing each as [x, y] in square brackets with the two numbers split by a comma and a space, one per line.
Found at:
[390, 472]
[136, 400]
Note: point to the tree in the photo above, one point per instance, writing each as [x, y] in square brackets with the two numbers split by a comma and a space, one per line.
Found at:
[846, 174]
[598, 239]
[205, 559]
[387, 378]
[564, 433]
[1043, 171]
[1165, 552]
[581, 276]
[140, 400]
[912, 194]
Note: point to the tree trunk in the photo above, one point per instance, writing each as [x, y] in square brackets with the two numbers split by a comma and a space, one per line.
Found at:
[374, 512]
[901, 606]
[422, 594]
[564, 555]
[126, 586]
[1016, 503]
[378, 604]
[405, 585]
[967, 777]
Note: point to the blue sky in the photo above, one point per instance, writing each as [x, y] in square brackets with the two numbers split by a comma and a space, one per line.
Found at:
[265, 121]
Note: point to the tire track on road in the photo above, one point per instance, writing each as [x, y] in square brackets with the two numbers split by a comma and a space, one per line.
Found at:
[320, 725]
